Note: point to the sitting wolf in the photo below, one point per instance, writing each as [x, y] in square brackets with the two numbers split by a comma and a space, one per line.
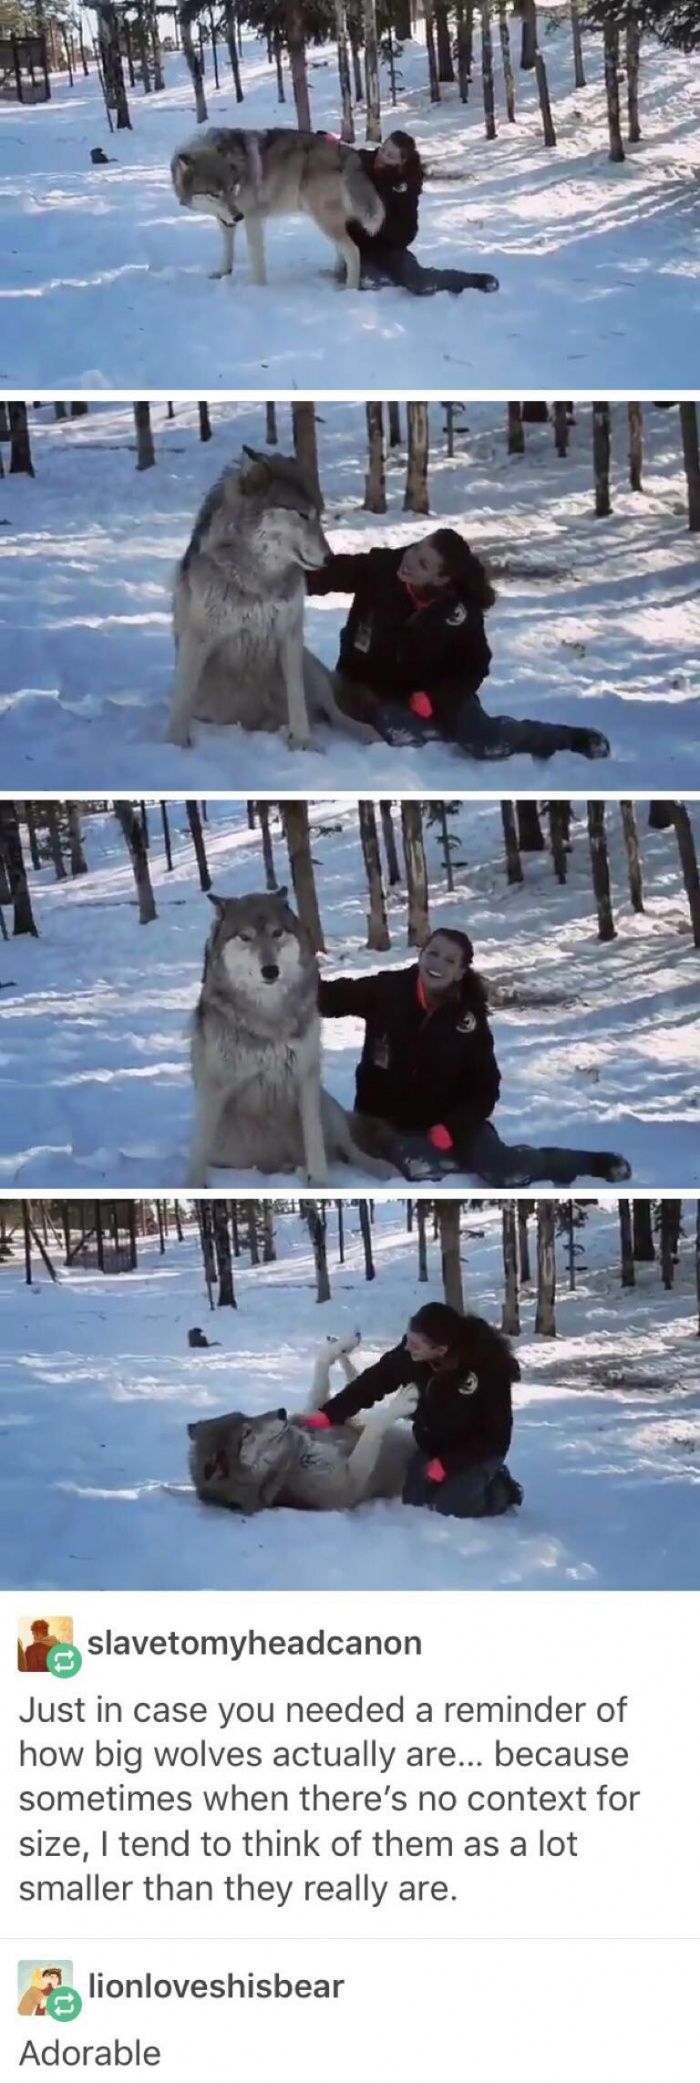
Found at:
[238, 608]
[247, 1463]
[256, 1050]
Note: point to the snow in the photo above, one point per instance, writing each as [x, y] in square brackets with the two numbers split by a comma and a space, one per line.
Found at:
[105, 275]
[598, 1045]
[597, 622]
[606, 1439]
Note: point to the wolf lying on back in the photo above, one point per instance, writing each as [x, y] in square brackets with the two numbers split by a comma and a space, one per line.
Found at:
[256, 1051]
[251, 175]
[238, 607]
[247, 1463]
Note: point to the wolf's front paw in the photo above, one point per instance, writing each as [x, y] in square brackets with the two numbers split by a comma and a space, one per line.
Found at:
[348, 1344]
[178, 734]
[405, 1402]
[219, 274]
[298, 742]
[319, 1178]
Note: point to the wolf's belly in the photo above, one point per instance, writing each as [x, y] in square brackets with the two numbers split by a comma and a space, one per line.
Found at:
[243, 683]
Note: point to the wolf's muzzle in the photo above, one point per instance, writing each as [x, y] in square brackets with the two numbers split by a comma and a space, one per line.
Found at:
[270, 972]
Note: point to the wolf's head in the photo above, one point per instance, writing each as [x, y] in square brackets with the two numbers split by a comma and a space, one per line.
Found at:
[206, 180]
[257, 946]
[284, 507]
[241, 1461]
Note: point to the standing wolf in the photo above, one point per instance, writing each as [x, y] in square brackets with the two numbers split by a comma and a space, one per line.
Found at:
[256, 1050]
[238, 607]
[251, 175]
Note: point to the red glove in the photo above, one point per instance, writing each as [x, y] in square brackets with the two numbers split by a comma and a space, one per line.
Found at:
[440, 1137]
[422, 706]
[317, 1420]
[435, 1471]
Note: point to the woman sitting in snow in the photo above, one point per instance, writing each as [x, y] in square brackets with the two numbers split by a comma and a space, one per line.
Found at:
[463, 1370]
[428, 1081]
[396, 171]
[414, 651]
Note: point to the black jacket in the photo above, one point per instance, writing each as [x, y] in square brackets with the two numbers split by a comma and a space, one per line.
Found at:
[418, 1068]
[399, 188]
[464, 1415]
[396, 648]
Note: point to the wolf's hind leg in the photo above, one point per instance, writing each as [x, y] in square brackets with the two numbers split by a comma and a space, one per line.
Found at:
[315, 1161]
[192, 656]
[255, 235]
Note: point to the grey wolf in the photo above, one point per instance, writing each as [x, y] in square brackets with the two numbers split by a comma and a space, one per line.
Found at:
[256, 1050]
[238, 607]
[247, 1463]
[251, 175]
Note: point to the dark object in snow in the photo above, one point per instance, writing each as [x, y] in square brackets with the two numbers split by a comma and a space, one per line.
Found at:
[100, 158]
[197, 1340]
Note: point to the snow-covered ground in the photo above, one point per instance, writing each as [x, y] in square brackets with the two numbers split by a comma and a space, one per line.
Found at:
[601, 1046]
[105, 278]
[97, 1386]
[597, 622]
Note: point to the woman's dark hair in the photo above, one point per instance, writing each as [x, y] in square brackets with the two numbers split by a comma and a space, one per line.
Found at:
[468, 1339]
[469, 576]
[471, 987]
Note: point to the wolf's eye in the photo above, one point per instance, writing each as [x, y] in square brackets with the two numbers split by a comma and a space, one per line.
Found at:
[277, 932]
[248, 937]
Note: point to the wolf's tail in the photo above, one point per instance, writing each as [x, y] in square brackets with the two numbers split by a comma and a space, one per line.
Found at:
[365, 205]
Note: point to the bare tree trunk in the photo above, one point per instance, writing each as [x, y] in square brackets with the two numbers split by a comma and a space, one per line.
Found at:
[204, 420]
[635, 415]
[523, 1209]
[433, 74]
[263, 810]
[347, 125]
[634, 859]
[378, 936]
[670, 1231]
[514, 866]
[446, 69]
[416, 874]
[268, 1223]
[12, 860]
[642, 1232]
[366, 1234]
[392, 858]
[448, 1215]
[232, 47]
[295, 818]
[165, 821]
[561, 427]
[315, 1217]
[528, 48]
[112, 68]
[195, 825]
[53, 827]
[510, 1315]
[601, 870]
[375, 480]
[689, 865]
[271, 425]
[30, 821]
[632, 44]
[507, 60]
[487, 70]
[516, 430]
[78, 863]
[296, 46]
[222, 1248]
[579, 70]
[133, 833]
[548, 131]
[305, 445]
[194, 65]
[206, 1238]
[394, 424]
[145, 451]
[601, 459]
[21, 464]
[416, 493]
[545, 1318]
[611, 51]
[691, 460]
[559, 838]
[422, 1240]
[373, 129]
[626, 1252]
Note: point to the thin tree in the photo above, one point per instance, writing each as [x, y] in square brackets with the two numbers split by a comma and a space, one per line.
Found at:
[30, 821]
[315, 1218]
[560, 417]
[268, 1229]
[597, 839]
[132, 829]
[145, 451]
[114, 86]
[293, 14]
[416, 494]
[627, 1272]
[506, 60]
[394, 424]
[487, 70]
[206, 1238]
[531, 837]
[634, 858]
[635, 417]
[643, 1232]
[373, 127]
[611, 56]
[545, 1317]
[691, 461]
[416, 874]
[187, 14]
[295, 819]
[579, 69]
[165, 821]
[375, 481]
[559, 838]
[431, 51]
[305, 445]
[21, 464]
[632, 47]
[12, 860]
[195, 825]
[271, 424]
[392, 858]
[421, 1232]
[448, 1215]
[263, 810]
[524, 1243]
[204, 420]
[53, 827]
[78, 863]
[366, 1235]
[548, 131]
[689, 865]
[697, 1259]
[510, 1315]
[222, 1247]
[514, 866]
[231, 26]
[528, 43]
[347, 125]
[378, 936]
[601, 459]
[516, 430]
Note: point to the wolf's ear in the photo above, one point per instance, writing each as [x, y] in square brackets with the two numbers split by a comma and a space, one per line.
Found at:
[219, 903]
[282, 894]
[255, 474]
[257, 455]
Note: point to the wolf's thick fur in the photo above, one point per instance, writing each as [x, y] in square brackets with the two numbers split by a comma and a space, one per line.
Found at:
[247, 1463]
[256, 1050]
[256, 174]
[238, 607]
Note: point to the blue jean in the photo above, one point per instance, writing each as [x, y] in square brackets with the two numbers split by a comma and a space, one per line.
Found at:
[483, 1491]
